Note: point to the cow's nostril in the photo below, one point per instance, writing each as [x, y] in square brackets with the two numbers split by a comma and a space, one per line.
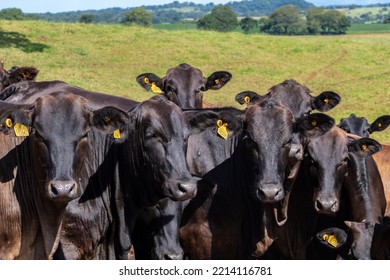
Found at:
[319, 205]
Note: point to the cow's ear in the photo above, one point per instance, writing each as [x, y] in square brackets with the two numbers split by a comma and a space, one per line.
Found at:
[314, 125]
[225, 124]
[110, 120]
[325, 101]
[151, 81]
[248, 97]
[364, 146]
[23, 74]
[17, 121]
[217, 80]
[380, 123]
[332, 238]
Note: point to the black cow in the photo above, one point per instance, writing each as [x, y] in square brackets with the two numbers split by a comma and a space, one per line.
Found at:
[337, 178]
[206, 151]
[184, 84]
[91, 210]
[27, 90]
[232, 195]
[47, 161]
[16, 74]
[360, 126]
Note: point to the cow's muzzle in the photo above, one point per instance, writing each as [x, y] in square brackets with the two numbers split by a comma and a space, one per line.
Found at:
[327, 205]
[64, 191]
[183, 190]
[270, 193]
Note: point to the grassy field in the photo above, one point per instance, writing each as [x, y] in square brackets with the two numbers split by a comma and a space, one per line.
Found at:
[107, 58]
[369, 28]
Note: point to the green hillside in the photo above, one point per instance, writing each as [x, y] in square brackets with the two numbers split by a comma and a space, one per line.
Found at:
[107, 58]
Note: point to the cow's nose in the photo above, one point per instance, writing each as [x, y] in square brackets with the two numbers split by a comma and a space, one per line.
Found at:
[186, 190]
[270, 193]
[327, 205]
[63, 190]
[173, 256]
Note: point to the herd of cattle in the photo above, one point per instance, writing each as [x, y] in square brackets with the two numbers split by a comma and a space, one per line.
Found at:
[88, 175]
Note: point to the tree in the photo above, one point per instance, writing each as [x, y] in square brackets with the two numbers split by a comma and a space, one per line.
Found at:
[387, 19]
[313, 20]
[285, 20]
[138, 16]
[12, 14]
[247, 24]
[222, 18]
[333, 21]
[87, 18]
[166, 16]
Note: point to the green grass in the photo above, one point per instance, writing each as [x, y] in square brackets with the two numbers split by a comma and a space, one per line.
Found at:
[107, 58]
[369, 28]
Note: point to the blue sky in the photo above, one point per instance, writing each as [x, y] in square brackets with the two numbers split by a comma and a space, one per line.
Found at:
[54, 6]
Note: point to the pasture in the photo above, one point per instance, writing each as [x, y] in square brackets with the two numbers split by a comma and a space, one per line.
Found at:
[107, 58]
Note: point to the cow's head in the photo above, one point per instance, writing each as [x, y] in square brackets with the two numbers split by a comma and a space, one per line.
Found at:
[328, 158]
[16, 74]
[184, 85]
[360, 126]
[271, 130]
[297, 98]
[158, 133]
[57, 126]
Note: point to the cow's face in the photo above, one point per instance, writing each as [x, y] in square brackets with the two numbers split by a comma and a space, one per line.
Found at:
[270, 129]
[329, 159]
[328, 156]
[184, 85]
[360, 126]
[299, 100]
[355, 125]
[273, 134]
[58, 125]
[158, 146]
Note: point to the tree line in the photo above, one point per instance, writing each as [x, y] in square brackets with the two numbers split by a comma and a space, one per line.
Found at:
[285, 20]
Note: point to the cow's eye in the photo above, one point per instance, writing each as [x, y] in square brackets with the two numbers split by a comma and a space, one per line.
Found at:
[202, 88]
[170, 89]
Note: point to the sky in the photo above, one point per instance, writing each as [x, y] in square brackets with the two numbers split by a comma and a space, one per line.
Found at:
[55, 6]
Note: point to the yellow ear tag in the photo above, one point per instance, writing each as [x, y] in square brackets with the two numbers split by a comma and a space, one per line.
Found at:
[8, 123]
[247, 99]
[331, 239]
[325, 237]
[156, 89]
[116, 134]
[326, 100]
[222, 129]
[364, 147]
[21, 130]
[216, 81]
[313, 123]
[146, 80]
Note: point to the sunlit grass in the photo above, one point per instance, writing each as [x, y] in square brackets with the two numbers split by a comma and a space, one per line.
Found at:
[107, 58]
